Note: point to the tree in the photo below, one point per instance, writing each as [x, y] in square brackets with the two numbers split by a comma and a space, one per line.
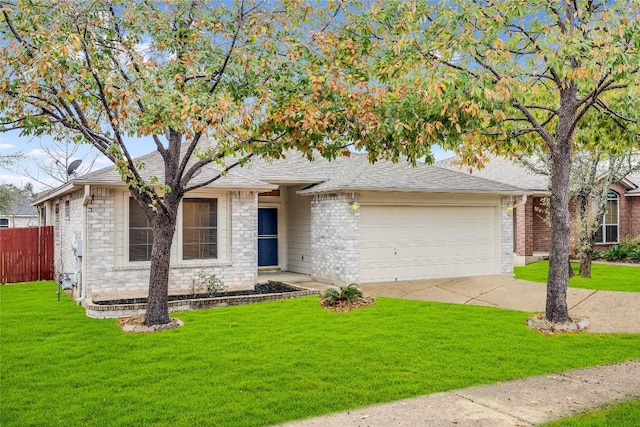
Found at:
[209, 83]
[7, 190]
[592, 174]
[12, 196]
[51, 170]
[504, 77]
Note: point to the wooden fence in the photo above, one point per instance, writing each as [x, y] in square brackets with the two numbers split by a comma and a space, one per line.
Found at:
[26, 254]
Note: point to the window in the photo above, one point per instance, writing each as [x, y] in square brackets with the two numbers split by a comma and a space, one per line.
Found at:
[608, 227]
[199, 228]
[4, 222]
[140, 234]
[67, 209]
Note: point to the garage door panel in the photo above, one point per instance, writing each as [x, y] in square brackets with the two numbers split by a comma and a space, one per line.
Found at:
[410, 242]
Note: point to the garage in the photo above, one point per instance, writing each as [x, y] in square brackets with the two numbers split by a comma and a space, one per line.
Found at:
[422, 242]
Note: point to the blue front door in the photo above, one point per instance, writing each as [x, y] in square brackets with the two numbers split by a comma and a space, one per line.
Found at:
[267, 237]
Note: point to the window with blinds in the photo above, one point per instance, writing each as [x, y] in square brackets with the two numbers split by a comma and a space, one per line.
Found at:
[140, 234]
[199, 228]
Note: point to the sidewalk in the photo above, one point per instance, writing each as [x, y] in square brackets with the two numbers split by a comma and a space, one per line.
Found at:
[525, 402]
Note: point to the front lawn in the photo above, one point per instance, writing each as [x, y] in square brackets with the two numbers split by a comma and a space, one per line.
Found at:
[621, 415]
[264, 363]
[604, 277]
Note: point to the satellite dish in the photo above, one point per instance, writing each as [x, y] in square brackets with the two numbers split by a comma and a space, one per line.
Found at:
[71, 170]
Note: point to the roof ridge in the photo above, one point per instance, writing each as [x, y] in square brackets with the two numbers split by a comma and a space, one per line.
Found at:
[357, 169]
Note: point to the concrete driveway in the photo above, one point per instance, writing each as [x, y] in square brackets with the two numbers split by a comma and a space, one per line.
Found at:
[608, 311]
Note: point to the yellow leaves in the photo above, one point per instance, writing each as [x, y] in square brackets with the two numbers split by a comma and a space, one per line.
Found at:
[499, 115]
[399, 125]
[578, 73]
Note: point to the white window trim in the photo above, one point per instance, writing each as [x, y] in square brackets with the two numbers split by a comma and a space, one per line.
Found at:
[224, 208]
[180, 231]
[603, 227]
[127, 260]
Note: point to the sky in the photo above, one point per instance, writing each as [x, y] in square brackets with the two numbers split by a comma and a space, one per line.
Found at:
[12, 142]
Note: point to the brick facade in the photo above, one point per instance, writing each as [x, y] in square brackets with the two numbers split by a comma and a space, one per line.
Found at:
[506, 237]
[634, 215]
[334, 239]
[533, 233]
[106, 270]
[334, 235]
[541, 230]
[524, 221]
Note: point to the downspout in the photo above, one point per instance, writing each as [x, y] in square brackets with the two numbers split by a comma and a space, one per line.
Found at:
[85, 232]
[521, 202]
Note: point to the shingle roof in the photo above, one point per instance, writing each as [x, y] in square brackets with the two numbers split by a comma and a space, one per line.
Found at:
[22, 207]
[154, 166]
[634, 178]
[510, 172]
[388, 176]
[353, 173]
[501, 170]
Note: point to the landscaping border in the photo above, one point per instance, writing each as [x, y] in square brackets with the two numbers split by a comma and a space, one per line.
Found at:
[113, 311]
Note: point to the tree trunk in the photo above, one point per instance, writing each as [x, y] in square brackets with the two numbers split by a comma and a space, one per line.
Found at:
[163, 225]
[585, 264]
[585, 250]
[558, 280]
[571, 273]
[556, 309]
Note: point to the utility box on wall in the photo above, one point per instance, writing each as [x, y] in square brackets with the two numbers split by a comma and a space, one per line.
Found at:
[77, 248]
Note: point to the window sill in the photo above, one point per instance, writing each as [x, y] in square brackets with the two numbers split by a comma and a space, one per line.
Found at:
[198, 263]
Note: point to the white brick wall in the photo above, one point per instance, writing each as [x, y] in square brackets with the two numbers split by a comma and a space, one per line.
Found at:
[506, 236]
[334, 239]
[67, 229]
[107, 271]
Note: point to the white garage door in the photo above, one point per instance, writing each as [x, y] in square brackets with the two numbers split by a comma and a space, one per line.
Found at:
[420, 242]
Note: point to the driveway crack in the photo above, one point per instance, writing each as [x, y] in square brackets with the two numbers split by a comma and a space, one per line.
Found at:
[583, 300]
[491, 407]
[477, 297]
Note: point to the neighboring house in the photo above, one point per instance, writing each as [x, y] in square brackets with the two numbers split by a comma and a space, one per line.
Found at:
[23, 214]
[531, 230]
[344, 221]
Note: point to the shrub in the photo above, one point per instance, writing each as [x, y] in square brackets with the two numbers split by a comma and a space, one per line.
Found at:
[634, 255]
[335, 296]
[630, 245]
[331, 296]
[210, 283]
[350, 292]
[615, 253]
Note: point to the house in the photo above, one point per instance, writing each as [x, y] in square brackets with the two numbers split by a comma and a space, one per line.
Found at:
[22, 214]
[344, 221]
[531, 230]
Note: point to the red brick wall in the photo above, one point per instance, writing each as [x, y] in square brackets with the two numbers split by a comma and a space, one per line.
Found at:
[524, 223]
[541, 230]
[634, 216]
[538, 240]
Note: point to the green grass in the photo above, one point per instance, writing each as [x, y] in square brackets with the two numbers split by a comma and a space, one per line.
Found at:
[622, 415]
[264, 363]
[604, 277]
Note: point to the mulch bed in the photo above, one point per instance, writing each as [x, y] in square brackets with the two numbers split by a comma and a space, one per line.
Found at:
[343, 306]
[541, 324]
[136, 324]
[260, 289]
